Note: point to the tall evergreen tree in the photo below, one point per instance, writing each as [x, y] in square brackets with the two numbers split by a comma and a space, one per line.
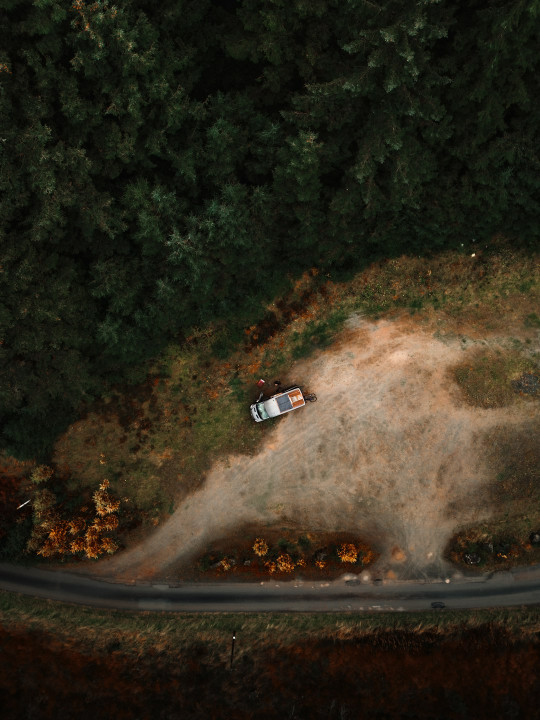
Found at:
[164, 164]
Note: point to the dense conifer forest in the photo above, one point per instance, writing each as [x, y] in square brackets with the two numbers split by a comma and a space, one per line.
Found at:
[167, 164]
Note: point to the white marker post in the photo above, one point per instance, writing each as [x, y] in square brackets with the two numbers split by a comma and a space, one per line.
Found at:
[232, 647]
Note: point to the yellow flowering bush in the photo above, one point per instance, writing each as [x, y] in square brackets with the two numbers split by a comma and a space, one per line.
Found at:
[108, 545]
[105, 502]
[348, 553]
[260, 547]
[78, 545]
[285, 563]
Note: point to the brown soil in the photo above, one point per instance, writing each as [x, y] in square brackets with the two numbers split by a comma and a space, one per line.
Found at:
[390, 451]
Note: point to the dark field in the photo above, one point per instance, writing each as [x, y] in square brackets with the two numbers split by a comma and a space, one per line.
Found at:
[419, 671]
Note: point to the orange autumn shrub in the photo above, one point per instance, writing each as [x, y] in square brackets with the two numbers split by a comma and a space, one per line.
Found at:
[348, 553]
[260, 547]
[285, 563]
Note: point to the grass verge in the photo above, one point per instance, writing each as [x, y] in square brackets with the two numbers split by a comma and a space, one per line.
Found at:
[138, 632]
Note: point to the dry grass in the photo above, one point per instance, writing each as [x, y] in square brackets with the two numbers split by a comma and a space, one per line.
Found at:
[486, 378]
[170, 632]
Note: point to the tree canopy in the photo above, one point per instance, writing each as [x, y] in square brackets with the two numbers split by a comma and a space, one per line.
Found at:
[166, 164]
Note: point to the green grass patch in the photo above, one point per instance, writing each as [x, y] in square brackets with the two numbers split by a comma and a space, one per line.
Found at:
[317, 335]
[486, 378]
[532, 321]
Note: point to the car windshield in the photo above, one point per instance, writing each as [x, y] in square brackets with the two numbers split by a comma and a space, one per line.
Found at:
[262, 411]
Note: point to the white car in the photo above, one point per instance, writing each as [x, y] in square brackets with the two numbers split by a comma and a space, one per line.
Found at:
[278, 404]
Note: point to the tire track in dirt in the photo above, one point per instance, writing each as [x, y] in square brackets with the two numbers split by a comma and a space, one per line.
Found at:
[385, 452]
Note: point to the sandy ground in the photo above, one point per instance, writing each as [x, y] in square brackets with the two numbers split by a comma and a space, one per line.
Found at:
[387, 451]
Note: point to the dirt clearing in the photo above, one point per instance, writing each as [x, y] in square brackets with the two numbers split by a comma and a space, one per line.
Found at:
[389, 451]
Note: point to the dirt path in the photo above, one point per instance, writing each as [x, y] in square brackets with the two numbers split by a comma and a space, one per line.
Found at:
[387, 451]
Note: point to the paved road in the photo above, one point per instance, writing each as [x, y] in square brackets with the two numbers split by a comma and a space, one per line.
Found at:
[517, 587]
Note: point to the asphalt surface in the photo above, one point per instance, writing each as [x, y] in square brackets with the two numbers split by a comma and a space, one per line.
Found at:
[512, 588]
